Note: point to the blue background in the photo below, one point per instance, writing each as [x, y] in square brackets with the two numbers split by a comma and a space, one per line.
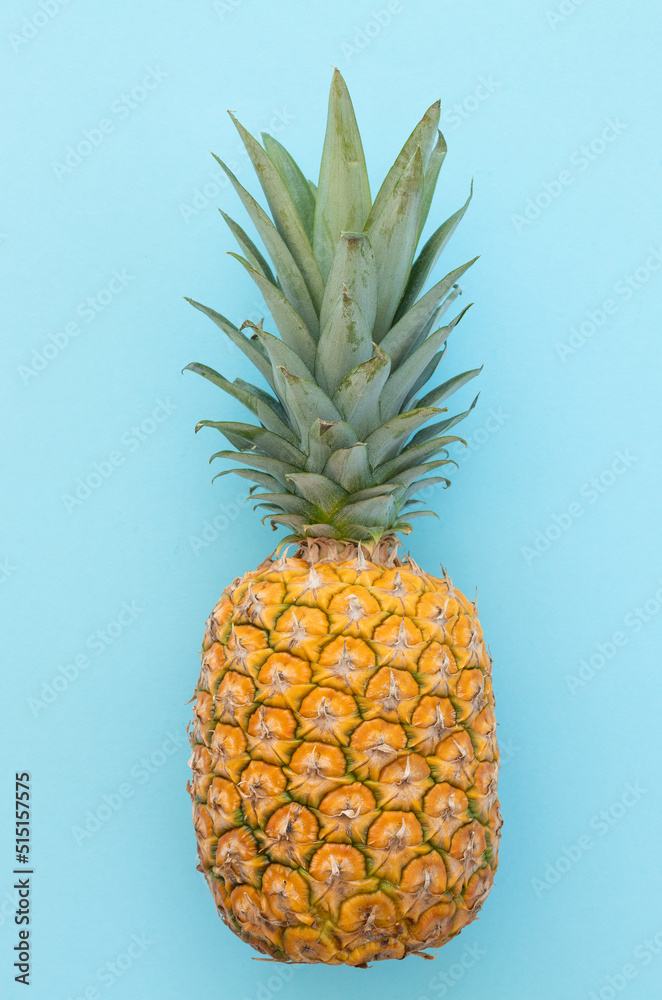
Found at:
[524, 88]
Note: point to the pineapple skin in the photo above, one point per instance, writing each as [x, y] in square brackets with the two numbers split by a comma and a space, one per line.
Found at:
[344, 757]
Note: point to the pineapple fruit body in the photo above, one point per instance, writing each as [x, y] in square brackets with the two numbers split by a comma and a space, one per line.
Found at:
[345, 757]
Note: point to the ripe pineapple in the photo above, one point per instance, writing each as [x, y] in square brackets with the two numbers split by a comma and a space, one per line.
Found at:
[344, 749]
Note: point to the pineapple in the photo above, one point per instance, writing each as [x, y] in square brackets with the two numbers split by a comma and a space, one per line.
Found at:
[344, 750]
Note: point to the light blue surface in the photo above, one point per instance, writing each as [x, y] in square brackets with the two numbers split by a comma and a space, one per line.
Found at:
[532, 89]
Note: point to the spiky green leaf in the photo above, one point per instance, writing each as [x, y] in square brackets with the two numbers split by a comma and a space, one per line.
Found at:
[353, 268]
[295, 181]
[404, 380]
[251, 252]
[410, 457]
[343, 191]
[357, 396]
[284, 213]
[345, 342]
[260, 407]
[319, 490]
[398, 341]
[437, 157]
[446, 389]
[386, 441]
[350, 468]
[423, 138]
[428, 257]
[290, 325]
[238, 339]
[305, 402]
[442, 426]
[393, 235]
[247, 437]
[290, 277]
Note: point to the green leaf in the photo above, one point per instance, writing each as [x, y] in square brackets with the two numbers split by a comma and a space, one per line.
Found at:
[337, 434]
[410, 457]
[423, 484]
[324, 438]
[296, 183]
[263, 410]
[357, 396]
[305, 402]
[325, 494]
[290, 520]
[280, 354]
[345, 342]
[238, 339]
[403, 381]
[406, 477]
[379, 512]
[290, 325]
[251, 437]
[423, 137]
[393, 236]
[437, 157]
[288, 503]
[343, 192]
[398, 341]
[284, 213]
[353, 268]
[422, 513]
[423, 379]
[442, 426]
[350, 468]
[289, 274]
[386, 441]
[273, 466]
[429, 256]
[255, 390]
[446, 389]
[394, 490]
[253, 475]
[251, 252]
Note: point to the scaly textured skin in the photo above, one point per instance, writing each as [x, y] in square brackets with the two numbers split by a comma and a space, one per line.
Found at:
[345, 757]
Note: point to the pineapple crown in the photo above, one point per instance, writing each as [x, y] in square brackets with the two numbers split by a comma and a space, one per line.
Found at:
[344, 440]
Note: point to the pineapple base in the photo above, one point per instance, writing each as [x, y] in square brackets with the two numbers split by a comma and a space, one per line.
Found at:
[344, 757]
